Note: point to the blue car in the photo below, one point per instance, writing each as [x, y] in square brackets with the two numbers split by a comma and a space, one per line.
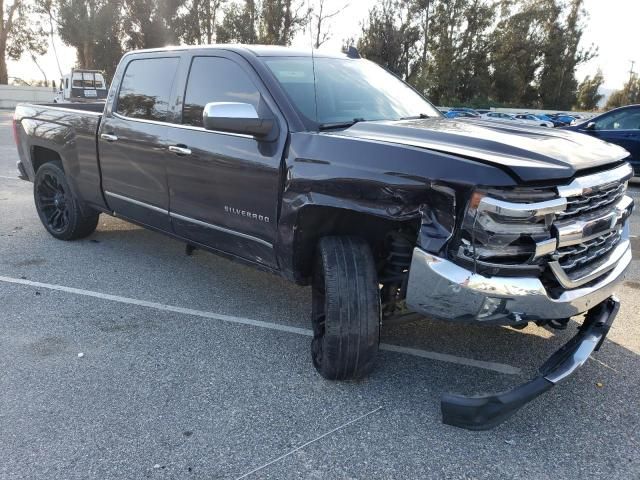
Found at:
[458, 112]
[620, 126]
[562, 118]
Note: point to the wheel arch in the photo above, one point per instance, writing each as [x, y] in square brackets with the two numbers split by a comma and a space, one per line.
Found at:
[316, 221]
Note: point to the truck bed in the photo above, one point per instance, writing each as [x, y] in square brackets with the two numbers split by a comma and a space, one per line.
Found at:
[67, 128]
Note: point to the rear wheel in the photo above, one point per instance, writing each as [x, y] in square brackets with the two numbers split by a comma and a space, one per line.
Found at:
[59, 210]
[345, 309]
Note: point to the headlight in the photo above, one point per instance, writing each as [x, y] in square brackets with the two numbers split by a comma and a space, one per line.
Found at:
[499, 230]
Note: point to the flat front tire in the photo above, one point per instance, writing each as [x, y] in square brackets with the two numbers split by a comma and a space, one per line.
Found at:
[59, 210]
[345, 309]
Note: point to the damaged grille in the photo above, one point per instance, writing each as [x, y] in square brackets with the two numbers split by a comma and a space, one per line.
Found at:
[584, 253]
[591, 201]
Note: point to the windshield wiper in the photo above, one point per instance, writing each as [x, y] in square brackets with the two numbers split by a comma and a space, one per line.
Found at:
[415, 117]
[329, 126]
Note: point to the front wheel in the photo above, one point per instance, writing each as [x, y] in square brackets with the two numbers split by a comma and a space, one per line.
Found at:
[59, 210]
[345, 309]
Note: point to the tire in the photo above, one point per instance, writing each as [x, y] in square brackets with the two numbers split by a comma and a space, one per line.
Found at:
[345, 310]
[59, 210]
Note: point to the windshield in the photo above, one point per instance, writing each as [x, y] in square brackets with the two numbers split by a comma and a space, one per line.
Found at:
[347, 90]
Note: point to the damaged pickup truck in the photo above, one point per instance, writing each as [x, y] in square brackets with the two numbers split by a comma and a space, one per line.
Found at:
[328, 170]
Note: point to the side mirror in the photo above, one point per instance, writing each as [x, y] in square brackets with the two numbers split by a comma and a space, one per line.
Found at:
[234, 117]
[590, 126]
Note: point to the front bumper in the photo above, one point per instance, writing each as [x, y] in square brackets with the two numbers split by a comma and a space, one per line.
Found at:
[483, 413]
[439, 288]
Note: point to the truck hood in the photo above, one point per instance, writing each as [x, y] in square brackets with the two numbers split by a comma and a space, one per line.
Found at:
[530, 153]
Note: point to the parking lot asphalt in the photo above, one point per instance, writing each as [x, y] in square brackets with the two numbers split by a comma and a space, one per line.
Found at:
[121, 357]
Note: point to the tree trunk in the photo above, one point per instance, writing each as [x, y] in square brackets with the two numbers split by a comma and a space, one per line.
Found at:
[4, 78]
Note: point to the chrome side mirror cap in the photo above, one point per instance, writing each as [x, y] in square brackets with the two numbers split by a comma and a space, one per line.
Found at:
[235, 117]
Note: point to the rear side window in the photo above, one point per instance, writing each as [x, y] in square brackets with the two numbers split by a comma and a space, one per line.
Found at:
[215, 79]
[146, 88]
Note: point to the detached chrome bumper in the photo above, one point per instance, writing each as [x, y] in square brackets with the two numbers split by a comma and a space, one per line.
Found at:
[485, 412]
[439, 288]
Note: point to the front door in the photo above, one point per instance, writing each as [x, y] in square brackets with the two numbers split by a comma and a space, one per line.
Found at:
[621, 127]
[224, 188]
[133, 142]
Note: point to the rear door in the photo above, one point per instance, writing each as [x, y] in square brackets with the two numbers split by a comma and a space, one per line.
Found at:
[133, 141]
[225, 192]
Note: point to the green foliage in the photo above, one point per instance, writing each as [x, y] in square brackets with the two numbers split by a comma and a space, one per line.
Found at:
[507, 52]
[150, 23]
[389, 38]
[630, 94]
[270, 22]
[588, 96]
[198, 22]
[94, 28]
[486, 52]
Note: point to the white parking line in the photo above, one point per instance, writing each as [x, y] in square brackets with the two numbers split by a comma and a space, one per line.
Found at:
[10, 178]
[443, 357]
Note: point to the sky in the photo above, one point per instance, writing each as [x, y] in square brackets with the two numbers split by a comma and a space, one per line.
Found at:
[612, 26]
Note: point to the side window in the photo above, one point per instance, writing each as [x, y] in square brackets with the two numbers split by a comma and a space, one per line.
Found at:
[215, 79]
[630, 120]
[146, 88]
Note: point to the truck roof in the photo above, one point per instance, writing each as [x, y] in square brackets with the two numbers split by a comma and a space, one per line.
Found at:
[257, 50]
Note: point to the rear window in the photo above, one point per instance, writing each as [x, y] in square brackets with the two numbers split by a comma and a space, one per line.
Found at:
[146, 88]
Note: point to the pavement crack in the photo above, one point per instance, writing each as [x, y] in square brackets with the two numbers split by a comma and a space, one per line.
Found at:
[298, 448]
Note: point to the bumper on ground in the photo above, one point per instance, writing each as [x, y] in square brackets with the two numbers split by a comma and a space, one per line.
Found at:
[482, 413]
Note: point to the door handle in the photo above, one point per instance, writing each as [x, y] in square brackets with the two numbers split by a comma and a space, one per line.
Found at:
[109, 137]
[179, 150]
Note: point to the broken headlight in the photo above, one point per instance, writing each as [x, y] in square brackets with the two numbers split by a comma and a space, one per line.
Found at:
[504, 230]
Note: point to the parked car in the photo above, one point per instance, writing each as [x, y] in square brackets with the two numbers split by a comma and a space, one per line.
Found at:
[464, 112]
[620, 126]
[501, 116]
[460, 114]
[563, 118]
[534, 120]
[331, 172]
[555, 122]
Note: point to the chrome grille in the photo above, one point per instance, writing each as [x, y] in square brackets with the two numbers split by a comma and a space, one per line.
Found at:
[588, 202]
[586, 252]
[591, 226]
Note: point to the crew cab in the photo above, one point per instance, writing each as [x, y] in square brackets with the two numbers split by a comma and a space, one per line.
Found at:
[331, 172]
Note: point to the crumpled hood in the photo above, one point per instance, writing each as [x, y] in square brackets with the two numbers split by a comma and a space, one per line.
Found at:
[530, 153]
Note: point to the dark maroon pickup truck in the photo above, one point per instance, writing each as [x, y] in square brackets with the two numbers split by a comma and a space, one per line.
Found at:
[329, 171]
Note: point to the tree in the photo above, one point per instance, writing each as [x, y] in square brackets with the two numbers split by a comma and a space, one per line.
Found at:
[516, 57]
[320, 18]
[20, 31]
[390, 37]
[94, 28]
[270, 22]
[281, 19]
[458, 41]
[198, 24]
[588, 96]
[557, 86]
[241, 23]
[630, 94]
[151, 23]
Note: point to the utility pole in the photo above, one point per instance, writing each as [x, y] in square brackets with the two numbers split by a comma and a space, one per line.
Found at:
[631, 73]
